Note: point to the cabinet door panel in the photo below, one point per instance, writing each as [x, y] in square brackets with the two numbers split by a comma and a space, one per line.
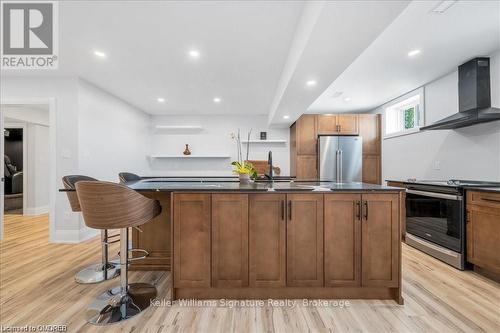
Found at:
[348, 124]
[369, 129]
[267, 240]
[305, 240]
[327, 124]
[306, 135]
[307, 167]
[483, 237]
[191, 240]
[371, 169]
[342, 240]
[380, 240]
[229, 240]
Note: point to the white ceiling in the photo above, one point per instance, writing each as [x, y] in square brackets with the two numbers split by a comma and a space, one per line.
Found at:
[384, 71]
[257, 55]
[244, 47]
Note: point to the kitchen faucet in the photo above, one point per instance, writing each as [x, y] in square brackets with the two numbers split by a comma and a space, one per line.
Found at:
[270, 164]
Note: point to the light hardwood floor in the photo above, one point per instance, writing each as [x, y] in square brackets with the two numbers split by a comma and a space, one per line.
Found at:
[37, 287]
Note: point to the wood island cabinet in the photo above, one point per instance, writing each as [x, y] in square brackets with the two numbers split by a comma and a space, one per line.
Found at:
[380, 240]
[342, 240]
[229, 240]
[304, 240]
[191, 240]
[286, 245]
[362, 240]
[483, 232]
[267, 233]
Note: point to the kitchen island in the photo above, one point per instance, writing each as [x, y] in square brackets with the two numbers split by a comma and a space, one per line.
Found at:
[223, 239]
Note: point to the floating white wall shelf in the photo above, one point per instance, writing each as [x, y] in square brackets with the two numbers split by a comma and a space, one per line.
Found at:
[177, 128]
[190, 156]
[264, 141]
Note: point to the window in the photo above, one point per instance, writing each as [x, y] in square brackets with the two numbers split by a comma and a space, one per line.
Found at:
[405, 114]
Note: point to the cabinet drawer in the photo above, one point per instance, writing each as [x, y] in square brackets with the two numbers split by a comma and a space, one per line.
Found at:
[489, 199]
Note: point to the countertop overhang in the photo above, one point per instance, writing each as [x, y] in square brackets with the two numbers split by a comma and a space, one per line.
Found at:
[165, 185]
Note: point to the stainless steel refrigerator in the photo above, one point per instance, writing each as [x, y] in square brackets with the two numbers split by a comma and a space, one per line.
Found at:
[340, 158]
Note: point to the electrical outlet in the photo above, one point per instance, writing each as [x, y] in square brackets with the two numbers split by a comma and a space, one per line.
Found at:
[437, 165]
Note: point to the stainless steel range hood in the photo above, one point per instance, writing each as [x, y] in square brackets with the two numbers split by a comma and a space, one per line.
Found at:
[474, 97]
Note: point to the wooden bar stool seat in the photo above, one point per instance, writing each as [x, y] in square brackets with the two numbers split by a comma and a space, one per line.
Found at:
[105, 270]
[114, 206]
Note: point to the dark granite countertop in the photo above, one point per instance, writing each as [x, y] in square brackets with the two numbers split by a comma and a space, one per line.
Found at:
[167, 185]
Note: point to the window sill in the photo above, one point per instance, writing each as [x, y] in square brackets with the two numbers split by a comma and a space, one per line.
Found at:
[398, 134]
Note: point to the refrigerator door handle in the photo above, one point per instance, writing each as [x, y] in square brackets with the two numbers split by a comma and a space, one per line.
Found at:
[337, 156]
[340, 166]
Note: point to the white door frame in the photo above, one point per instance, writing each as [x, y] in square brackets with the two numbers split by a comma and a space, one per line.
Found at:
[24, 127]
[51, 102]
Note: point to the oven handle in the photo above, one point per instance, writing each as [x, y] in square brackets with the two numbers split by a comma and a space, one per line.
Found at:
[436, 195]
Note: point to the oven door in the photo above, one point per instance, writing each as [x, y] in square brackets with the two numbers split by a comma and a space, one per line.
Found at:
[436, 217]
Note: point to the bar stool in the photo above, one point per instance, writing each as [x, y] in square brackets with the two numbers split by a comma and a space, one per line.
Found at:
[113, 206]
[128, 177]
[94, 273]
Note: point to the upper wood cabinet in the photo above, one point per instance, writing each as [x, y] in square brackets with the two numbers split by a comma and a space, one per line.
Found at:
[483, 231]
[348, 124]
[342, 240]
[191, 240]
[327, 124]
[229, 240]
[369, 129]
[304, 240]
[337, 124]
[380, 240]
[306, 135]
[267, 237]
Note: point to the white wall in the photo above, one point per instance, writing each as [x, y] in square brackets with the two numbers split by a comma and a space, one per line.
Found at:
[214, 138]
[95, 134]
[467, 153]
[113, 136]
[63, 90]
[37, 187]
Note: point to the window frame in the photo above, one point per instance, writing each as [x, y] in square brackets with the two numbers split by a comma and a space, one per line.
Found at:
[419, 114]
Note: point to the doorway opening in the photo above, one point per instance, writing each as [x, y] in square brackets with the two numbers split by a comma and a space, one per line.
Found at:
[26, 154]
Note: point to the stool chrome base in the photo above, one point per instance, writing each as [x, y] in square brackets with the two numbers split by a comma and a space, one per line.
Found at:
[113, 307]
[95, 273]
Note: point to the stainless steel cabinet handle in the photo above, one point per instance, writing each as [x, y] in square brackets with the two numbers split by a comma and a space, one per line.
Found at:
[366, 210]
[290, 209]
[358, 210]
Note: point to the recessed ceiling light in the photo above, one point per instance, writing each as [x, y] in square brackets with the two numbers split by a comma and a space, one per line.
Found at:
[100, 54]
[160, 100]
[413, 53]
[443, 6]
[195, 54]
[286, 117]
[347, 99]
[311, 83]
[217, 99]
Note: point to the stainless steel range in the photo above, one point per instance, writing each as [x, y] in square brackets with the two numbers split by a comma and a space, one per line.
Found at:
[435, 217]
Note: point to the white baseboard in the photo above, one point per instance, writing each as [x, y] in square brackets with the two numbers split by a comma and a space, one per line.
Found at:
[74, 236]
[36, 210]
